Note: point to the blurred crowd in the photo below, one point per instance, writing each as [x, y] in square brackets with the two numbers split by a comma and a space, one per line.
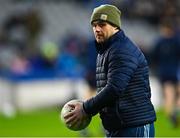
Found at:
[21, 55]
[20, 52]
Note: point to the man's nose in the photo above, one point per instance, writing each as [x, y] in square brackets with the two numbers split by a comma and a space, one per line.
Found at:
[97, 28]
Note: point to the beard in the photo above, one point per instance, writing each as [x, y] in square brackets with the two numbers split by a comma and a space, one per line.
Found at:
[100, 38]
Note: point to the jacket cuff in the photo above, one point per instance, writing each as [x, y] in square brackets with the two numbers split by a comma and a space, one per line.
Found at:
[88, 109]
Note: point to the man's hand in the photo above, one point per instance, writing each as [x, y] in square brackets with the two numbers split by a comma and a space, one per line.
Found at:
[76, 115]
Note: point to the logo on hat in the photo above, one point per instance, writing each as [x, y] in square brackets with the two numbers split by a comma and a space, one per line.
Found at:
[103, 17]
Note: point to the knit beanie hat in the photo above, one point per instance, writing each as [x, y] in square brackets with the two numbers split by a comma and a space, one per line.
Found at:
[108, 13]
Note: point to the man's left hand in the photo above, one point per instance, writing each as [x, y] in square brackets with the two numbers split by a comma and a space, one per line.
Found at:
[76, 115]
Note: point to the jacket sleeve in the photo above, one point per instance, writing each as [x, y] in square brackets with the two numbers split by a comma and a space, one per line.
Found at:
[121, 67]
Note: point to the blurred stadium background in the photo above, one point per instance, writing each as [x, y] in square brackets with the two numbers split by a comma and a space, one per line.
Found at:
[47, 57]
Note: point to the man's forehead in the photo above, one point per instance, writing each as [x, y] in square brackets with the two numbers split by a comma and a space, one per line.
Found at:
[99, 22]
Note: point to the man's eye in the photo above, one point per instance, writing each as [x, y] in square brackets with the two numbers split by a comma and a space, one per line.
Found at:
[102, 24]
[94, 25]
[99, 24]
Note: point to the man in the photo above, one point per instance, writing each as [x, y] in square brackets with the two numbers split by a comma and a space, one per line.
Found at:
[166, 58]
[123, 91]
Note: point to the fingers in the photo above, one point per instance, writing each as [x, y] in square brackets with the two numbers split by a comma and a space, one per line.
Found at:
[75, 115]
[72, 106]
[70, 120]
[70, 117]
[66, 116]
[76, 122]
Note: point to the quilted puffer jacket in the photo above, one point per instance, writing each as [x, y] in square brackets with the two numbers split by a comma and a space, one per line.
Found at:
[123, 90]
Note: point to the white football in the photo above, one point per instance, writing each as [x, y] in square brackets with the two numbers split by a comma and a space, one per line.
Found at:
[66, 109]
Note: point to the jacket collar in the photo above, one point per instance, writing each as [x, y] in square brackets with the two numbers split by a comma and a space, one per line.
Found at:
[101, 47]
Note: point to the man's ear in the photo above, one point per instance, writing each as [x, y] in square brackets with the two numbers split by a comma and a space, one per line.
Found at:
[117, 28]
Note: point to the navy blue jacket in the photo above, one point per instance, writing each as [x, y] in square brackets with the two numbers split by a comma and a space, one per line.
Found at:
[122, 79]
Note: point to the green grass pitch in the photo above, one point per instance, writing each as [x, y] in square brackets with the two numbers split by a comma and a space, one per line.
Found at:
[47, 123]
